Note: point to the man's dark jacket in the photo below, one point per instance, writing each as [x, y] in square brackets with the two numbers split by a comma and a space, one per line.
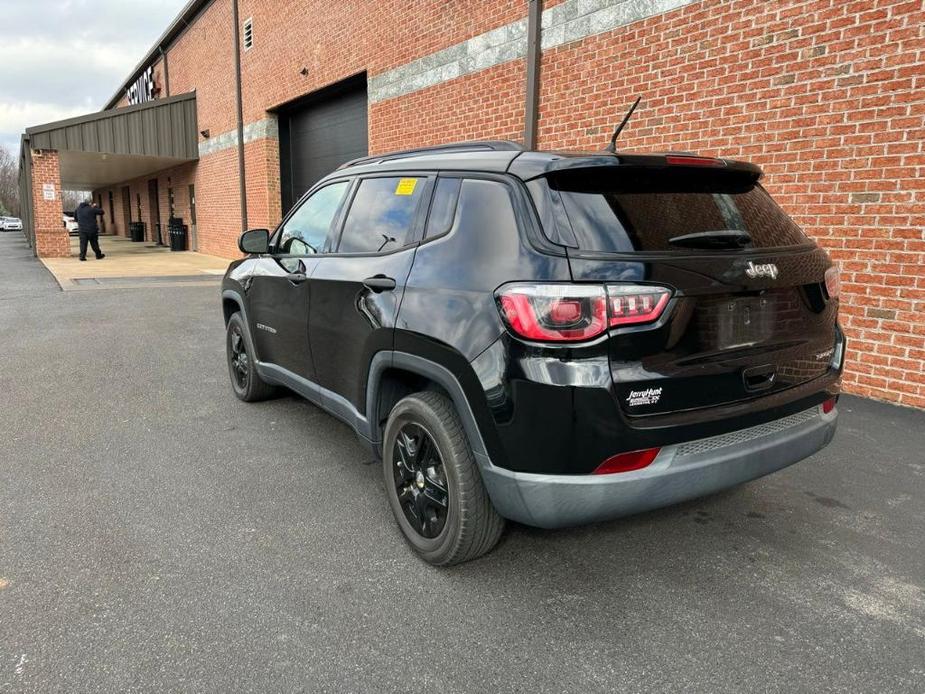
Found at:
[86, 215]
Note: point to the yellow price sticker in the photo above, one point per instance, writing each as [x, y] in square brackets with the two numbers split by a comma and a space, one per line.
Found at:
[406, 186]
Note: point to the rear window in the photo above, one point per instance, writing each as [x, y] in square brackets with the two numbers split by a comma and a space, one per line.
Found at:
[643, 211]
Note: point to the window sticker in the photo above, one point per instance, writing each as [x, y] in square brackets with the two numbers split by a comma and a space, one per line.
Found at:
[406, 186]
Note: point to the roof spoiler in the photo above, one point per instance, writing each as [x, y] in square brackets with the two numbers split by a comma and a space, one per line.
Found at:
[528, 167]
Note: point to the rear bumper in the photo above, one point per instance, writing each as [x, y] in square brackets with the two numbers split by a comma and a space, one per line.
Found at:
[680, 472]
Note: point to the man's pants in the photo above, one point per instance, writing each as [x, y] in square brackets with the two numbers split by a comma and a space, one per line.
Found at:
[93, 238]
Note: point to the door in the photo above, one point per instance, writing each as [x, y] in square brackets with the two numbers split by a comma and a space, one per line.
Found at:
[154, 207]
[104, 223]
[321, 134]
[279, 291]
[112, 213]
[357, 290]
[126, 209]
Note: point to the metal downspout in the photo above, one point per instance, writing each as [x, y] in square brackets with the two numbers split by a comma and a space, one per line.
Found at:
[534, 54]
[242, 182]
[166, 70]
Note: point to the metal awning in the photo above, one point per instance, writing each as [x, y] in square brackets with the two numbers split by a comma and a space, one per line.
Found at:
[117, 145]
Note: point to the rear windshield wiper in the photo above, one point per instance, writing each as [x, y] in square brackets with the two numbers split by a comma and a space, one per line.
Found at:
[721, 238]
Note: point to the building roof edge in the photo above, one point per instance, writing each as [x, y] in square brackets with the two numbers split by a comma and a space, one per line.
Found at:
[187, 16]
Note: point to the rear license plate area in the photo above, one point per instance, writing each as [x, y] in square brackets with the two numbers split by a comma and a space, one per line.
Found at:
[737, 321]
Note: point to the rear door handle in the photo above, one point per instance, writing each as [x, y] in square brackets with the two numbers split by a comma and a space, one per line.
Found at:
[379, 283]
[297, 277]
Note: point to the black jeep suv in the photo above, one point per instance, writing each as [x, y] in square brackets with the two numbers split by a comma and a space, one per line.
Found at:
[548, 338]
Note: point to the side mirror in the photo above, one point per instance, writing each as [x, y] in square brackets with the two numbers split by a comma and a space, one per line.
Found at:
[255, 241]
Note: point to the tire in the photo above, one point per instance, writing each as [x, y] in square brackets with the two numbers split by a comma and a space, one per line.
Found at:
[245, 381]
[469, 526]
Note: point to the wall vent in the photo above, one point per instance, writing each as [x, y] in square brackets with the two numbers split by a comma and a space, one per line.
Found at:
[248, 33]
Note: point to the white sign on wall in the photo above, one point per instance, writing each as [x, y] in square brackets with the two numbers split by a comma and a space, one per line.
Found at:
[143, 90]
[48, 191]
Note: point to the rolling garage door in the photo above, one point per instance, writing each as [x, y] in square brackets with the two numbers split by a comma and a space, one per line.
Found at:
[319, 134]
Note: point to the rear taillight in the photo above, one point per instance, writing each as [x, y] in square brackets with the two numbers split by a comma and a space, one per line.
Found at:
[833, 282]
[625, 462]
[828, 405]
[576, 312]
[633, 304]
[554, 312]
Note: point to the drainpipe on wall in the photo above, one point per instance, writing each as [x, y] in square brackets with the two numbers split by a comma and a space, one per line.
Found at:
[240, 105]
[166, 70]
[534, 53]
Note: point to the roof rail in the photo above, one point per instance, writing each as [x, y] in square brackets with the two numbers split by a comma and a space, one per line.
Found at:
[449, 148]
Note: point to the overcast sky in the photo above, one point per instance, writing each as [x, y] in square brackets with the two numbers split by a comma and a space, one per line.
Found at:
[63, 58]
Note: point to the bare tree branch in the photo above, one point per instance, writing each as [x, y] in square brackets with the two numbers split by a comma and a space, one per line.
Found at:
[9, 183]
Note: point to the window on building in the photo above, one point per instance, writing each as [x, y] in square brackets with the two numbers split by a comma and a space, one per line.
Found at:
[307, 229]
[248, 34]
[382, 215]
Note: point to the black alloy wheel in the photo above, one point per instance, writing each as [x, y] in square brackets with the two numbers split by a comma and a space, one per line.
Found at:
[433, 483]
[240, 362]
[420, 480]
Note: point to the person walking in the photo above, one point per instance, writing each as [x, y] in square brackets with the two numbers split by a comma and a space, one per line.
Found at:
[86, 215]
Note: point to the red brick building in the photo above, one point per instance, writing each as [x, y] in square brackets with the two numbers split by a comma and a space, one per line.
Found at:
[828, 96]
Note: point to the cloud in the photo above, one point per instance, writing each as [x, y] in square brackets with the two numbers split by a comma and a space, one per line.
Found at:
[62, 58]
[38, 69]
[15, 117]
[101, 20]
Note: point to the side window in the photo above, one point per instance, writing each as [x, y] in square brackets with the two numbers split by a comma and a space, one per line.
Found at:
[485, 211]
[382, 215]
[305, 232]
[443, 208]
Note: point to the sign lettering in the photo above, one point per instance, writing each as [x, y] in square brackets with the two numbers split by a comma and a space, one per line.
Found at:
[143, 90]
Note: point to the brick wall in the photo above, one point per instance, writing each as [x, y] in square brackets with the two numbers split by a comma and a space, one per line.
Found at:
[51, 238]
[828, 97]
[264, 204]
[179, 178]
[487, 104]
[219, 209]
[335, 40]
[120, 212]
[202, 60]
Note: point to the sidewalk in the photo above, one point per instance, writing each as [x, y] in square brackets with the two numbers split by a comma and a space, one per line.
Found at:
[129, 264]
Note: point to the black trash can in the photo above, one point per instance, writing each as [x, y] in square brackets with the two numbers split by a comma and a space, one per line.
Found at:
[178, 235]
[137, 231]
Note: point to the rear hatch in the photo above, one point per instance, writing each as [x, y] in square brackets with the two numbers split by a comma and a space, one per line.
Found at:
[749, 314]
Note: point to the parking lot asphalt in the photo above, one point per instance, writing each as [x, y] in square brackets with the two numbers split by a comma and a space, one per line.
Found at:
[156, 534]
